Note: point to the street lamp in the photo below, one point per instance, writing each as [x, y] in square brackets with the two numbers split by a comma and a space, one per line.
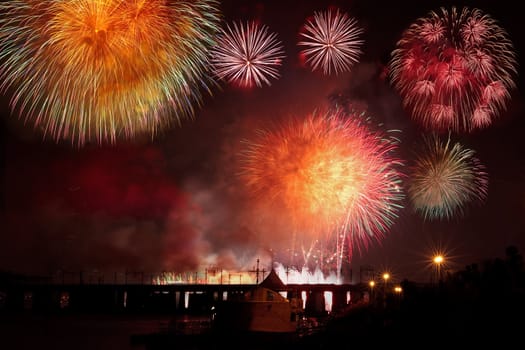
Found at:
[398, 291]
[438, 261]
[386, 276]
[372, 285]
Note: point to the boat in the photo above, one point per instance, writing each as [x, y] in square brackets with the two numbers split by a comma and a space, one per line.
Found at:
[265, 315]
[268, 307]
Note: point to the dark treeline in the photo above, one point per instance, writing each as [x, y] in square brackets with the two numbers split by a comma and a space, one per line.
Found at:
[483, 304]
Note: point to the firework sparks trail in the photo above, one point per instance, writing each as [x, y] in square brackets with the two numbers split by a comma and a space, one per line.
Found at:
[327, 175]
[444, 178]
[454, 70]
[247, 54]
[326, 255]
[332, 41]
[100, 70]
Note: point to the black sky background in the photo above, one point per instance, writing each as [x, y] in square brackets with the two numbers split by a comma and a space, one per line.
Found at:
[172, 203]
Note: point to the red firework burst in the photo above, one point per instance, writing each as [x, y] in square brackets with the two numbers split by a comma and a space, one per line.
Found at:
[454, 70]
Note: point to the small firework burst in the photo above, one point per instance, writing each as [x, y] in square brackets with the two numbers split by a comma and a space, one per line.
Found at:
[445, 178]
[332, 41]
[247, 54]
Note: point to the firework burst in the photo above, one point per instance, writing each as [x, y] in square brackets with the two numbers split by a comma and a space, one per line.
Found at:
[101, 70]
[332, 41]
[444, 178]
[327, 174]
[247, 54]
[454, 70]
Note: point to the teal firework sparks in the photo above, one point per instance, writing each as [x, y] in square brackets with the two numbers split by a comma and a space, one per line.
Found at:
[445, 178]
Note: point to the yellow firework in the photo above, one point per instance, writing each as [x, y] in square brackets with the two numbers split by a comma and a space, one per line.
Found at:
[101, 70]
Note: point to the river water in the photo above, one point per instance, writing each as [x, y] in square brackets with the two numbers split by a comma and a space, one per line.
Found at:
[76, 332]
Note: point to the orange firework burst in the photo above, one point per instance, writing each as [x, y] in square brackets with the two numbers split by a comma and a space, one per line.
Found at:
[104, 69]
[329, 173]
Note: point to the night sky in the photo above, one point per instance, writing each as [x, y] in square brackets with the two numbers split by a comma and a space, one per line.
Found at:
[173, 202]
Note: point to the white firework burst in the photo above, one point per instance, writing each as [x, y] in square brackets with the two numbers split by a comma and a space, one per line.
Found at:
[247, 54]
[332, 41]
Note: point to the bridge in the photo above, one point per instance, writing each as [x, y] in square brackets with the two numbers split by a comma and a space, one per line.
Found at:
[177, 298]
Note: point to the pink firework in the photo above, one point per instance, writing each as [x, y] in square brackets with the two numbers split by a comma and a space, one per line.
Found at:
[454, 70]
[332, 41]
[247, 54]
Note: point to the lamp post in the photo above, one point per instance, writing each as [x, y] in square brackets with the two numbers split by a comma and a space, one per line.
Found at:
[386, 276]
[372, 285]
[438, 261]
[398, 292]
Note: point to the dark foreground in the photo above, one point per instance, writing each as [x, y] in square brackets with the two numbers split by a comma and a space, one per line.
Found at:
[435, 322]
[482, 306]
[420, 318]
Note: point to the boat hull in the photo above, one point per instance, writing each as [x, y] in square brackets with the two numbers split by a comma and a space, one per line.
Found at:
[257, 316]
